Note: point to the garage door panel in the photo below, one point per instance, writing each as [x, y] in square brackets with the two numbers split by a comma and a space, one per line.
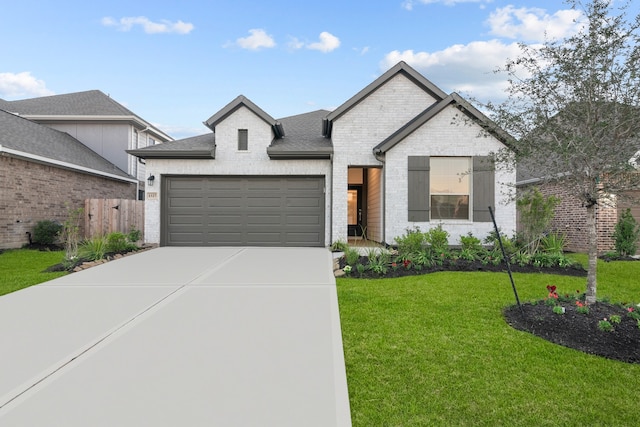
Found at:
[303, 202]
[186, 202]
[302, 237]
[264, 202]
[263, 219]
[258, 211]
[263, 239]
[186, 238]
[186, 220]
[224, 238]
[222, 219]
[224, 203]
[195, 184]
[303, 220]
[224, 184]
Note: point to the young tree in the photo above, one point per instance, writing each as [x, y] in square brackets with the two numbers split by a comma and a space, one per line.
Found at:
[573, 106]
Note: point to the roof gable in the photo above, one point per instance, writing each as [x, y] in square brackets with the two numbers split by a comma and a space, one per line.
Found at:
[242, 101]
[400, 68]
[454, 99]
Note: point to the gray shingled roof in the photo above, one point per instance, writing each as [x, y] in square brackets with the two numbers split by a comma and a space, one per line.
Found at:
[195, 147]
[23, 135]
[91, 103]
[88, 103]
[303, 137]
[302, 140]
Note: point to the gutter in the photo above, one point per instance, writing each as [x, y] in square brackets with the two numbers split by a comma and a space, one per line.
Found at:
[65, 165]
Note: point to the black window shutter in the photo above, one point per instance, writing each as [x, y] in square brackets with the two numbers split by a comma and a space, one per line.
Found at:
[418, 200]
[483, 188]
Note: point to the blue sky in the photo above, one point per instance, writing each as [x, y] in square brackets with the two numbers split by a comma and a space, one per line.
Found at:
[175, 63]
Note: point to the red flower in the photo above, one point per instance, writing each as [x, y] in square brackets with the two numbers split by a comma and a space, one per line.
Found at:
[551, 288]
[630, 309]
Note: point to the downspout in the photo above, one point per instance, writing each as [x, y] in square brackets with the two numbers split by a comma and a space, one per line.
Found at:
[138, 133]
[379, 155]
[331, 203]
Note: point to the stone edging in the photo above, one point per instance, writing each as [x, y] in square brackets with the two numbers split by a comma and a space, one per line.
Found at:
[88, 264]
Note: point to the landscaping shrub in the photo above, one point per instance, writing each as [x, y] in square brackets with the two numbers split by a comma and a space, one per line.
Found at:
[117, 242]
[438, 239]
[554, 243]
[46, 232]
[351, 256]
[536, 213]
[93, 249]
[339, 246]
[471, 243]
[71, 233]
[411, 242]
[626, 234]
[134, 235]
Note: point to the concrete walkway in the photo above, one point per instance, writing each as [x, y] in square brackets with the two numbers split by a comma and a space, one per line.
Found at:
[178, 337]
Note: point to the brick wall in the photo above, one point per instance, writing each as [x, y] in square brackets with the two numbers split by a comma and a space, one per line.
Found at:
[571, 220]
[31, 192]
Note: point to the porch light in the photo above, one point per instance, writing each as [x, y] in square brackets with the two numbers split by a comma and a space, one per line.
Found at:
[150, 180]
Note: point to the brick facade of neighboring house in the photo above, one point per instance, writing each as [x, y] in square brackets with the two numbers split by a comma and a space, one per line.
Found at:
[44, 172]
[97, 121]
[32, 192]
[571, 220]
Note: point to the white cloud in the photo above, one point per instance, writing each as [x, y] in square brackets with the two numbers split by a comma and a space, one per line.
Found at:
[408, 4]
[257, 39]
[533, 23]
[149, 27]
[295, 44]
[328, 42]
[467, 69]
[22, 85]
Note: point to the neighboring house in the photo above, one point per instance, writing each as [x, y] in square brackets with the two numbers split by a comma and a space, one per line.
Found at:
[99, 122]
[44, 173]
[399, 154]
[571, 216]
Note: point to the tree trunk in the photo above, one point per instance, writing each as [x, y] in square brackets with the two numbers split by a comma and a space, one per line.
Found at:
[592, 231]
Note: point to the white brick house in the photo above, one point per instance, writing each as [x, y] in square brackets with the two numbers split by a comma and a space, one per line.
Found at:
[399, 154]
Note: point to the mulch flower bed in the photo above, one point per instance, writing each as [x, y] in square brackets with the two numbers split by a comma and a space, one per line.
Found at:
[581, 331]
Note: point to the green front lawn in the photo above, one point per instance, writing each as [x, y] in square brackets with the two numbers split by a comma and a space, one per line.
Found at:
[21, 268]
[435, 350]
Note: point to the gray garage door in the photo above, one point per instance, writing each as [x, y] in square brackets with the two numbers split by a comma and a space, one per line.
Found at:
[243, 211]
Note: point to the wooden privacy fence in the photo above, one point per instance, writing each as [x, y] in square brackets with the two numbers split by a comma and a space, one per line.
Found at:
[104, 216]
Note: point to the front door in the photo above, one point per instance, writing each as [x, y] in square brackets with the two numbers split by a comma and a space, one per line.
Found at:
[354, 210]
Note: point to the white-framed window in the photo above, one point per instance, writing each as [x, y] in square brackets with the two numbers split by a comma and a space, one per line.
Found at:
[450, 187]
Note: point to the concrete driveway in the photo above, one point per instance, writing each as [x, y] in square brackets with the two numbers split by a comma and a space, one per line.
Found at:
[178, 337]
